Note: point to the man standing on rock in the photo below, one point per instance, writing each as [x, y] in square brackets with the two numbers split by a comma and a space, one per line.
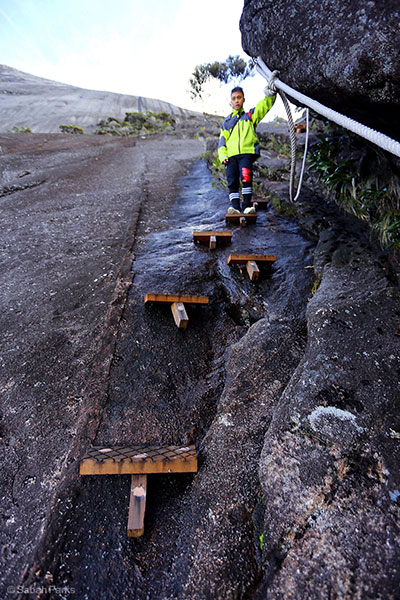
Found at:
[239, 147]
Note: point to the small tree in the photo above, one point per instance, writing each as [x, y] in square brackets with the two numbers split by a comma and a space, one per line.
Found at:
[234, 68]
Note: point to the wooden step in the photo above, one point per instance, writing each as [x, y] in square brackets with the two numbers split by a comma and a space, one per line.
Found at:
[241, 259]
[260, 202]
[138, 461]
[241, 218]
[251, 261]
[212, 238]
[170, 298]
[177, 302]
[132, 460]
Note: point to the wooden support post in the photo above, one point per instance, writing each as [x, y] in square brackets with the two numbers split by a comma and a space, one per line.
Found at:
[180, 315]
[137, 505]
[213, 242]
[252, 270]
[243, 221]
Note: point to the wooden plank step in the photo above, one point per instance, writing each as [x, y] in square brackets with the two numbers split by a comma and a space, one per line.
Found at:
[242, 259]
[138, 461]
[204, 237]
[171, 298]
[261, 202]
[134, 460]
[236, 218]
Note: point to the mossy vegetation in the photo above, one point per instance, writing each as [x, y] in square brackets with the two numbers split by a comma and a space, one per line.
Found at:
[315, 286]
[286, 209]
[71, 129]
[136, 123]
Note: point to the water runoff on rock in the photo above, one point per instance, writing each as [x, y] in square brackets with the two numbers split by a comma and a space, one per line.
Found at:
[165, 383]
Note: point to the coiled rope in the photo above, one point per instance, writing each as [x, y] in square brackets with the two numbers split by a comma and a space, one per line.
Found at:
[380, 139]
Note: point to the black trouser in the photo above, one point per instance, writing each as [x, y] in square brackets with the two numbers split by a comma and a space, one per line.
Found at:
[240, 170]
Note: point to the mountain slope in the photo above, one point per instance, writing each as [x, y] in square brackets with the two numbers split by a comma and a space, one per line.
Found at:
[43, 105]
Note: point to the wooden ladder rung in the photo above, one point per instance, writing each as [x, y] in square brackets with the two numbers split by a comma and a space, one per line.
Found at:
[212, 238]
[242, 259]
[241, 218]
[171, 298]
[138, 461]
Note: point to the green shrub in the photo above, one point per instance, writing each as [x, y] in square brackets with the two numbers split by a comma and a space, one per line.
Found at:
[71, 129]
[136, 123]
[21, 129]
[362, 179]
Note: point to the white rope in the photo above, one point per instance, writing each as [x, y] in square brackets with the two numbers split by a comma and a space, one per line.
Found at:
[380, 139]
[303, 164]
[271, 90]
[292, 134]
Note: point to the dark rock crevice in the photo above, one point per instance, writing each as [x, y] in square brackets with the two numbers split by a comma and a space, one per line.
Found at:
[11, 189]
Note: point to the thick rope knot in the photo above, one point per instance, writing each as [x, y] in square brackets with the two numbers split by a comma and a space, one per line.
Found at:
[270, 89]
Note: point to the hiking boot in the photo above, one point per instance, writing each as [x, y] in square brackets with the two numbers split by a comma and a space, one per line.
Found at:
[233, 211]
[249, 210]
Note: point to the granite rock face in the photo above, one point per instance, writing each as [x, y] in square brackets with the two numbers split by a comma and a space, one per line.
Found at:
[328, 466]
[343, 54]
[43, 105]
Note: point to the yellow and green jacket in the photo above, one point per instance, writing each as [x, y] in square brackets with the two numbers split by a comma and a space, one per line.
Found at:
[238, 134]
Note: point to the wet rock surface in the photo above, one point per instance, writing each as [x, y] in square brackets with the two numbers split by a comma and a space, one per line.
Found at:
[290, 398]
[348, 51]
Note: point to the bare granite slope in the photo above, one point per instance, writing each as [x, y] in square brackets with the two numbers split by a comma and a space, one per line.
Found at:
[43, 105]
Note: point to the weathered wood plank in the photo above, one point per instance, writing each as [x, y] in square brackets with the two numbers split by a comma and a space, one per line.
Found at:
[242, 259]
[137, 505]
[237, 218]
[129, 460]
[180, 315]
[223, 237]
[170, 298]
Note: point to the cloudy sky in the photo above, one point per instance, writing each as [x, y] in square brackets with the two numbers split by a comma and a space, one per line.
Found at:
[140, 47]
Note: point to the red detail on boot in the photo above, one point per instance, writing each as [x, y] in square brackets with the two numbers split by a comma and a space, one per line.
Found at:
[246, 175]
